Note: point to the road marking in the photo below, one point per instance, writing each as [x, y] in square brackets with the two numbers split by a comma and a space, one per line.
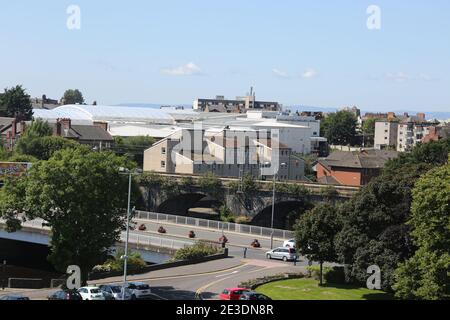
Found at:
[198, 293]
[229, 274]
[257, 270]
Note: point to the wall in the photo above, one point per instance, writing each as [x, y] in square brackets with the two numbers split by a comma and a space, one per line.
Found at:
[347, 176]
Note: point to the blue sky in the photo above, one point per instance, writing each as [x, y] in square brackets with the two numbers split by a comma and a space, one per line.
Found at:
[317, 53]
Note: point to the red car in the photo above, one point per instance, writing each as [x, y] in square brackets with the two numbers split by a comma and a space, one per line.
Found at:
[232, 293]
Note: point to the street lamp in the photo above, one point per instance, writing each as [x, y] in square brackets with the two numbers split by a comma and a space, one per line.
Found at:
[130, 173]
[273, 204]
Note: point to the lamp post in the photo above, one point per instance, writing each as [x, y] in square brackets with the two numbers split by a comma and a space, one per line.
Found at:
[273, 205]
[130, 173]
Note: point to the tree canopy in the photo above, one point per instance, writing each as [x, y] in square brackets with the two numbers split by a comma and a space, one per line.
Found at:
[82, 197]
[73, 97]
[339, 128]
[315, 232]
[16, 103]
[426, 275]
[43, 148]
[38, 128]
[374, 229]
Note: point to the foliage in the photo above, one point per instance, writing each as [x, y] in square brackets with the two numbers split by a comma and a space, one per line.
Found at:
[116, 264]
[187, 182]
[198, 250]
[339, 128]
[225, 214]
[22, 158]
[427, 274]
[211, 184]
[243, 220]
[150, 179]
[38, 129]
[43, 148]
[16, 103]
[133, 147]
[296, 190]
[329, 193]
[73, 97]
[315, 232]
[81, 196]
[309, 171]
[374, 230]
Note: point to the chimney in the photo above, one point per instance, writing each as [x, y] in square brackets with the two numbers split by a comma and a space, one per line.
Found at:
[421, 116]
[391, 115]
[62, 126]
[103, 125]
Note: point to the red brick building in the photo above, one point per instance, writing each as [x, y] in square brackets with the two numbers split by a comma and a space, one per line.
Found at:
[352, 168]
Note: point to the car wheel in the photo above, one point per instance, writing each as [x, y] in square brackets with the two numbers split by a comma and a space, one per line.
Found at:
[268, 256]
[284, 259]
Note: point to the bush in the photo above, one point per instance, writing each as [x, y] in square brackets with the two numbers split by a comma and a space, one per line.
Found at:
[334, 275]
[242, 220]
[115, 264]
[197, 251]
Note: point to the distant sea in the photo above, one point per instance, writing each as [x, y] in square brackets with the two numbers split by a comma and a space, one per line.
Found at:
[430, 115]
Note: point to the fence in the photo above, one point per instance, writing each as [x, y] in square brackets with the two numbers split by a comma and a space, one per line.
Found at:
[138, 239]
[215, 225]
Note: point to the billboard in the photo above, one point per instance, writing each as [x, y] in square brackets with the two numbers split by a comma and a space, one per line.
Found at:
[13, 169]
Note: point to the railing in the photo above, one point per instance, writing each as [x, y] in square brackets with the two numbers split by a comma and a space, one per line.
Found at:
[215, 225]
[135, 238]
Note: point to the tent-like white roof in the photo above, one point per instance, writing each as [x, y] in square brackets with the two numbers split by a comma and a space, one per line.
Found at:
[114, 114]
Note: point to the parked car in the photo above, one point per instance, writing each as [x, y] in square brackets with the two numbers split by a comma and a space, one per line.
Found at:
[116, 291]
[253, 296]
[285, 254]
[289, 243]
[91, 293]
[65, 295]
[232, 293]
[15, 297]
[139, 290]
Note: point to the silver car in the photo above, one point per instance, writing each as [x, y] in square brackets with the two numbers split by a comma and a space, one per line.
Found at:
[116, 291]
[139, 290]
[285, 254]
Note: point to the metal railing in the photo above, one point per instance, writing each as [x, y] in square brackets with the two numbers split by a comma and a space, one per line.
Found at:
[135, 238]
[215, 225]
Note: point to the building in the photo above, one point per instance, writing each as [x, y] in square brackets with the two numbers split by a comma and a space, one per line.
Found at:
[10, 131]
[352, 168]
[44, 103]
[238, 105]
[224, 153]
[437, 133]
[95, 135]
[385, 135]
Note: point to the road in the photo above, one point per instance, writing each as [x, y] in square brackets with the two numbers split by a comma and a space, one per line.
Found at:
[178, 231]
[204, 281]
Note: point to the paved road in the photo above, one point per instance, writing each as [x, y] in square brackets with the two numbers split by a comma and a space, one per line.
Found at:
[206, 280]
[177, 231]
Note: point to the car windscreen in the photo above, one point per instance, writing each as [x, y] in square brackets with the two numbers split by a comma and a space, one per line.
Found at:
[142, 287]
[95, 290]
[116, 289]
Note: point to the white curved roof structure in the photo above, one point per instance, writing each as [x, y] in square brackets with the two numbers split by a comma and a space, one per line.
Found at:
[90, 113]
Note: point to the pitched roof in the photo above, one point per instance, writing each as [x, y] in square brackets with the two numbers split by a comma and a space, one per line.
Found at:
[366, 159]
[92, 133]
[5, 123]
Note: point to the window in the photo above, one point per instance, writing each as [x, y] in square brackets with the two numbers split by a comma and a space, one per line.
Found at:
[163, 150]
[163, 164]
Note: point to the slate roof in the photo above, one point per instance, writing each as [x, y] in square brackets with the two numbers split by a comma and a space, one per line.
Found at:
[86, 133]
[367, 159]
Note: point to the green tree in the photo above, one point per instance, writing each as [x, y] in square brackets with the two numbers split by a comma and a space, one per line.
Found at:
[81, 196]
[38, 129]
[43, 148]
[427, 274]
[339, 128]
[133, 147]
[16, 103]
[211, 184]
[315, 232]
[368, 130]
[73, 97]
[374, 221]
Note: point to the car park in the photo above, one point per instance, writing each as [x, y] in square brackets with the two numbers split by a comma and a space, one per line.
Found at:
[91, 293]
[285, 254]
[232, 293]
[116, 291]
[139, 290]
[253, 296]
[65, 295]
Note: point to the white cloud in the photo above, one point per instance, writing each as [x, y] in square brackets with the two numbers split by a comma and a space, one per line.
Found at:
[398, 76]
[281, 74]
[425, 77]
[189, 69]
[309, 74]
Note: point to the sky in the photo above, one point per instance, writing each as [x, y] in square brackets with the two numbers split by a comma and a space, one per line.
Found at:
[316, 53]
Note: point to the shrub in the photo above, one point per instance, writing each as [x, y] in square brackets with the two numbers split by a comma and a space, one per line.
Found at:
[115, 264]
[242, 220]
[198, 250]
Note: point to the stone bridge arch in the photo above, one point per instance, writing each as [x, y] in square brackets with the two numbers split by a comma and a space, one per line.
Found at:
[286, 212]
[181, 204]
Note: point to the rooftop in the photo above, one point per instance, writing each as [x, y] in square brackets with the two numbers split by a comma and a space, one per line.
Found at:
[366, 159]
